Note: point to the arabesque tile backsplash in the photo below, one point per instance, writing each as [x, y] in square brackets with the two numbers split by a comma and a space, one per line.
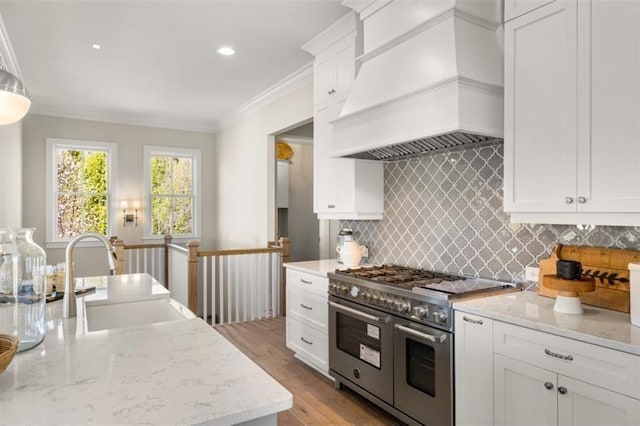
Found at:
[444, 212]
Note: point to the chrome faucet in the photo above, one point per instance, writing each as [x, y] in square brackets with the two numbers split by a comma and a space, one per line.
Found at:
[69, 300]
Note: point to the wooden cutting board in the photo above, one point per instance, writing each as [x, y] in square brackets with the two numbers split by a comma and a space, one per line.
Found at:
[609, 268]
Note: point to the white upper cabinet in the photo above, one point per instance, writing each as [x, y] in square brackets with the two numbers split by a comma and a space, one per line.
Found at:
[572, 103]
[334, 70]
[515, 8]
[344, 188]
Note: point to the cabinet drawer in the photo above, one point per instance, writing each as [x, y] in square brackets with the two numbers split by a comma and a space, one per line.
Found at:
[607, 368]
[308, 282]
[309, 344]
[306, 307]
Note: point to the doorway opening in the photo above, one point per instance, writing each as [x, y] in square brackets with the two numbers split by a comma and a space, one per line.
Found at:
[294, 214]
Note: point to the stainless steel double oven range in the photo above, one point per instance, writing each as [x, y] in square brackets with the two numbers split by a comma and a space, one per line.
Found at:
[391, 337]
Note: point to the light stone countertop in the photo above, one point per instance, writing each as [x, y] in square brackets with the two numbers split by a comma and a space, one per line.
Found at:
[598, 326]
[315, 267]
[180, 372]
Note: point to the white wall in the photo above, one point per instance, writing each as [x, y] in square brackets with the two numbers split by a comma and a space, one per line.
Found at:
[243, 179]
[11, 175]
[130, 141]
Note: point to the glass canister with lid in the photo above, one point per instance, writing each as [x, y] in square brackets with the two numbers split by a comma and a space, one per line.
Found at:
[22, 309]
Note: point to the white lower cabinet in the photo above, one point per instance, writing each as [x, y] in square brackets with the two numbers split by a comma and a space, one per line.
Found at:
[473, 369]
[307, 318]
[521, 396]
[539, 378]
[528, 395]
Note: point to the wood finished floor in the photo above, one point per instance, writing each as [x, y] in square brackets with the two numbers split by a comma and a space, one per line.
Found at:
[315, 401]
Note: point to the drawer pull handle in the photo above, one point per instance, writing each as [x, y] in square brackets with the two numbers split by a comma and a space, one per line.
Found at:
[557, 355]
[305, 281]
[306, 341]
[302, 305]
[472, 321]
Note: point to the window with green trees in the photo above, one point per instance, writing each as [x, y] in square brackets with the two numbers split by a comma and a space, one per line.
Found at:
[82, 202]
[172, 196]
[78, 188]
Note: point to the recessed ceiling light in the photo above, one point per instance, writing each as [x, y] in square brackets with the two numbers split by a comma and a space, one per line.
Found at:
[96, 46]
[226, 51]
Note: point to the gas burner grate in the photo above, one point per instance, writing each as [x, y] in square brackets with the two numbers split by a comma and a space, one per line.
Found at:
[398, 275]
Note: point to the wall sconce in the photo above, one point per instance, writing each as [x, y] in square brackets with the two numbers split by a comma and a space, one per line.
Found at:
[128, 217]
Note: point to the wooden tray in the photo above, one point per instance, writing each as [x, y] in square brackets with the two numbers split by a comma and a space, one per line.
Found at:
[569, 288]
[608, 267]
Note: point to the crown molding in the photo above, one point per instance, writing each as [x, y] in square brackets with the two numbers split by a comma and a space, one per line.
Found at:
[9, 60]
[128, 120]
[285, 86]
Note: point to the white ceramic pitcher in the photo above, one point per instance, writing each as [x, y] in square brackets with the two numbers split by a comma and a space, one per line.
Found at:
[351, 253]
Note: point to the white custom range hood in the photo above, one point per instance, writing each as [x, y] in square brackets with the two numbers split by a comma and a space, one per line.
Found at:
[431, 78]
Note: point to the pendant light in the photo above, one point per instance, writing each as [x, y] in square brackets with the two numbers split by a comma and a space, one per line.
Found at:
[14, 98]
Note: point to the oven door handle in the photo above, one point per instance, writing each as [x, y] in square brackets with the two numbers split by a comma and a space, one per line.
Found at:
[357, 313]
[415, 333]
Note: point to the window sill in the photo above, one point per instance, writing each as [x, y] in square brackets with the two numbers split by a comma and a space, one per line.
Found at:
[64, 244]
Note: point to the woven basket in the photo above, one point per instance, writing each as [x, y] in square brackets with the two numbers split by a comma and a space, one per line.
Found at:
[8, 348]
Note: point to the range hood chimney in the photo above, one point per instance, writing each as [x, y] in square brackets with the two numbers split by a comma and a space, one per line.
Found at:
[431, 79]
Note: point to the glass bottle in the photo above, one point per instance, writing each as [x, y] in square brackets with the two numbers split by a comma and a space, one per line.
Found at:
[25, 308]
[8, 261]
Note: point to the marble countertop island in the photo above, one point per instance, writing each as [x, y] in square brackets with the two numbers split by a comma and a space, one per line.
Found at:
[178, 372]
[598, 326]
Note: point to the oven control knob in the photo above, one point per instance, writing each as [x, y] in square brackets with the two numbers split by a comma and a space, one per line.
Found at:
[355, 291]
[420, 312]
[382, 300]
[404, 306]
[374, 299]
[440, 317]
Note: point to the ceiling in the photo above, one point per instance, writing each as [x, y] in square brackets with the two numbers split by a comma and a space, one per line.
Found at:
[157, 65]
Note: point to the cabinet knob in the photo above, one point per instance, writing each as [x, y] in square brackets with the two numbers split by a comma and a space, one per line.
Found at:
[568, 200]
[562, 390]
[582, 200]
[548, 385]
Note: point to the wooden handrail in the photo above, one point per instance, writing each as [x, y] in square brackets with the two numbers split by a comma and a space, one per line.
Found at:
[143, 246]
[229, 252]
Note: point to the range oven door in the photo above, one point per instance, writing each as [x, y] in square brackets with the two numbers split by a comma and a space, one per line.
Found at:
[423, 376]
[361, 346]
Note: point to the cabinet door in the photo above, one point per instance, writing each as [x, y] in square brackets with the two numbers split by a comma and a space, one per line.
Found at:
[474, 370]
[323, 76]
[540, 146]
[609, 93]
[344, 65]
[583, 404]
[523, 394]
[515, 8]
[324, 177]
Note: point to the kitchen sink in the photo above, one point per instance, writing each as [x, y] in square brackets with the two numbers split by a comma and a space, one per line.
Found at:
[121, 315]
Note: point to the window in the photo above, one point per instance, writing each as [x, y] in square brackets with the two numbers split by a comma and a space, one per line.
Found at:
[171, 196]
[78, 188]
